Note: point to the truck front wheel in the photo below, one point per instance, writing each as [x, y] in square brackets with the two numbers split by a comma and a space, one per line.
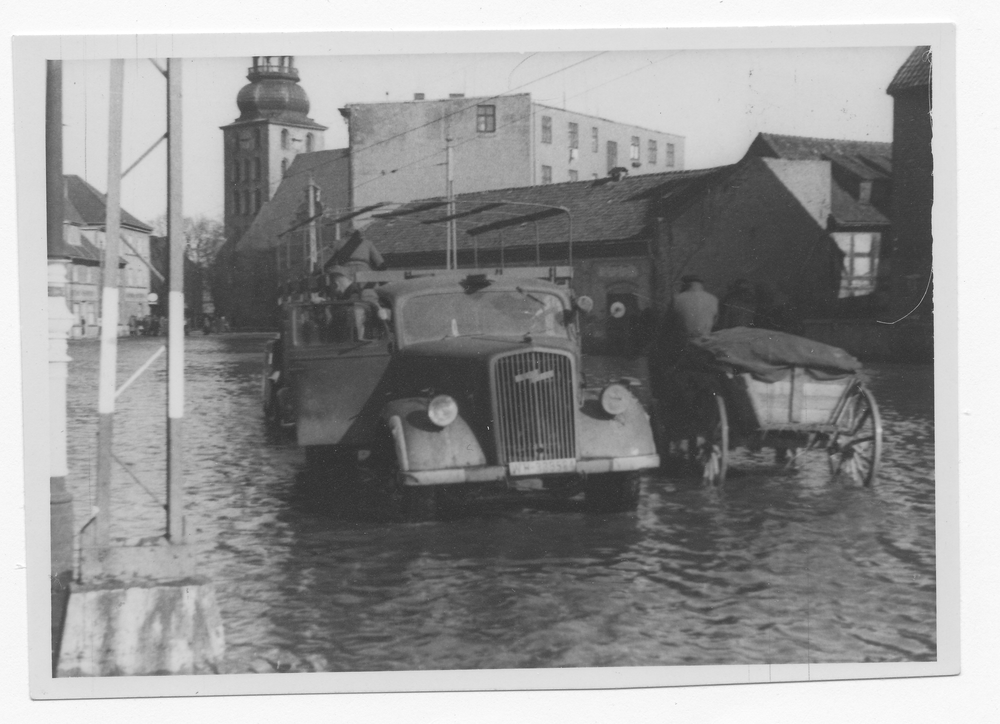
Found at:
[612, 492]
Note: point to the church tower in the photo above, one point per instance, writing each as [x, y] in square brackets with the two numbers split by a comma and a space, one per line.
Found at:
[259, 145]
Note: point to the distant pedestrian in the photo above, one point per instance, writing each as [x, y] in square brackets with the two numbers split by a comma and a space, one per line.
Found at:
[739, 305]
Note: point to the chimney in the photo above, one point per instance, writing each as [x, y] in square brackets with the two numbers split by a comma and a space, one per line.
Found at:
[418, 96]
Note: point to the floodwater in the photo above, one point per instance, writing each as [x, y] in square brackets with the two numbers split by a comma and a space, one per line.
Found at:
[779, 566]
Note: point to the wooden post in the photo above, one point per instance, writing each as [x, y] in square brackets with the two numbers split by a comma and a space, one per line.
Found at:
[175, 336]
[109, 308]
[60, 321]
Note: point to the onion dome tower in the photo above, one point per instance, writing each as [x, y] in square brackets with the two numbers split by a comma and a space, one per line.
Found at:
[273, 127]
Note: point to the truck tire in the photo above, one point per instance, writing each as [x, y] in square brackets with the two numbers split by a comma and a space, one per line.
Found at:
[612, 492]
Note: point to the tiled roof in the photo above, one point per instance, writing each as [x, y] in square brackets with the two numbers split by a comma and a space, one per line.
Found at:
[86, 205]
[329, 171]
[801, 148]
[915, 72]
[847, 211]
[602, 210]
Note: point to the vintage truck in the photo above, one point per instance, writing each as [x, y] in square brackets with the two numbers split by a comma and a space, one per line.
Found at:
[457, 378]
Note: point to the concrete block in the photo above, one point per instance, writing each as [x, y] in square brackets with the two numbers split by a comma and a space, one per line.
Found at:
[116, 628]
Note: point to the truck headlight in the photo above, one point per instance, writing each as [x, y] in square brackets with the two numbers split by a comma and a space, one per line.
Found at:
[442, 410]
[615, 399]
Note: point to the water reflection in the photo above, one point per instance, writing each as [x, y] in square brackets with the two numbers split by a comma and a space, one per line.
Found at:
[778, 566]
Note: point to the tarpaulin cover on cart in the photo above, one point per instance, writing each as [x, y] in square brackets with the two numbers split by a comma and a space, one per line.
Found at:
[769, 355]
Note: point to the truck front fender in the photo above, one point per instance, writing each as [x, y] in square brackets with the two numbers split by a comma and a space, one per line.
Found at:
[628, 434]
[422, 445]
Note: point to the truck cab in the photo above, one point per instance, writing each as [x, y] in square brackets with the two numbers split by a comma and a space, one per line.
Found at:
[459, 378]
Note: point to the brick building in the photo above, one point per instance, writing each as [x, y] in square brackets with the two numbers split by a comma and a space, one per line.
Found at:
[856, 177]
[634, 238]
[247, 270]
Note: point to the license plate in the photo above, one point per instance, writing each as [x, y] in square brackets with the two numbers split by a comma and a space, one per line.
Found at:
[540, 467]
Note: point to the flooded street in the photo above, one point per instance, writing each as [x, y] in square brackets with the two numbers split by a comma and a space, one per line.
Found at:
[779, 566]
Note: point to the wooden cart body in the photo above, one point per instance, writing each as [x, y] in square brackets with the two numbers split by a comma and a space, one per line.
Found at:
[800, 412]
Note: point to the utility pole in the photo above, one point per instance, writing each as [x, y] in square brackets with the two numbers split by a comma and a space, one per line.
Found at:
[109, 309]
[311, 201]
[175, 330]
[60, 321]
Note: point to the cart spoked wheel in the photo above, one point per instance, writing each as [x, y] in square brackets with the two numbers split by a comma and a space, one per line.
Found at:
[855, 448]
[712, 447]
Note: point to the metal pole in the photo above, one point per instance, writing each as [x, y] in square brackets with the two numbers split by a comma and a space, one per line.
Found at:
[451, 207]
[60, 322]
[311, 201]
[175, 336]
[109, 308]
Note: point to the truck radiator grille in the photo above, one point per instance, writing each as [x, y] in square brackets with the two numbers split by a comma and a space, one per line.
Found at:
[534, 407]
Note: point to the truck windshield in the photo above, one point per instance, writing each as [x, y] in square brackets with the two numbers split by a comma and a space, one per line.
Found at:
[500, 313]
[319, 324]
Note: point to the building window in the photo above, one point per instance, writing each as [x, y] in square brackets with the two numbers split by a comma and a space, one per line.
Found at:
[595, 143]
[486, 119]
[652, 152]
[284, 167]
[256, 200]
[546, 129]
[670, 154]
[633, 150]
[284, 139]
[860, 262]
[256, 138]
[246, 169]
[236, 171]
[309, 143]
[245, 206]
[612, 154]
[546, 174]
[573, 175]
[256, 169]
[574, 135]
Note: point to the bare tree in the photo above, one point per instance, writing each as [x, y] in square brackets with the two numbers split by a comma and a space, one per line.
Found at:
[202, 236]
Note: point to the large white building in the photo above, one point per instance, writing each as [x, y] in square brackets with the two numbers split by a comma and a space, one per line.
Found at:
[399, 150]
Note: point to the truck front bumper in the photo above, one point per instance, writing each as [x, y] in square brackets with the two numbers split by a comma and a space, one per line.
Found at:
[494, 473]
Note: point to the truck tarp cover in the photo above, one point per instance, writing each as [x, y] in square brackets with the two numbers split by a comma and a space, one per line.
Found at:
[768, 355]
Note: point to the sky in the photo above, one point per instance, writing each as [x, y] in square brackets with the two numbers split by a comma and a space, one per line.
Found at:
[719, 100]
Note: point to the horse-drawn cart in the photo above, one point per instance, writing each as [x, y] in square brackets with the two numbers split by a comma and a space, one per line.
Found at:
[758, 388]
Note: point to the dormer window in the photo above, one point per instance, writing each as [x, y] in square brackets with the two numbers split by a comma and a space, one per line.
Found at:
[865, 192]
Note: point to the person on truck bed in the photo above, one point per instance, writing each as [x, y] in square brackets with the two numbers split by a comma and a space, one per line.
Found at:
[356, 254]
